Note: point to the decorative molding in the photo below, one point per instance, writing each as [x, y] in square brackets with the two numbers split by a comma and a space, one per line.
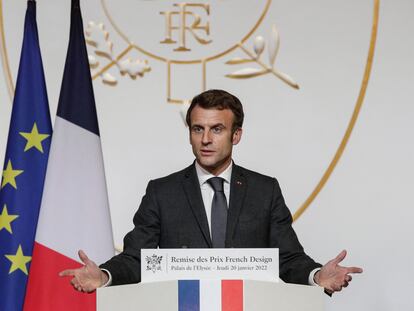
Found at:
[354, 117]
[4, 57]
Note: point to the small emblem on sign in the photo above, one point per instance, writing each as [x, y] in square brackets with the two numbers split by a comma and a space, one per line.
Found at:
[153, 263]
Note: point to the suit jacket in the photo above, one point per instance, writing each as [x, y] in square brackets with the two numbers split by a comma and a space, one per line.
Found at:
[172, 215]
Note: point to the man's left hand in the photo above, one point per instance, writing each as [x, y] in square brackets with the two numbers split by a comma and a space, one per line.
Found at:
[334, 277]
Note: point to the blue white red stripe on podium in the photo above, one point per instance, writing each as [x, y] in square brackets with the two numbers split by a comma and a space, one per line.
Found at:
[210, 295]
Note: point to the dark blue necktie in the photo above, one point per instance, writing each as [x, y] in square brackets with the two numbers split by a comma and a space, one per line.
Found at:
[218, 213]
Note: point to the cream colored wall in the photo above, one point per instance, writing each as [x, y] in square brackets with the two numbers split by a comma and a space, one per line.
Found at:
[366, 205]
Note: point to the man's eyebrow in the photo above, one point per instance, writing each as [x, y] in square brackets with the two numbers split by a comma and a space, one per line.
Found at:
[214, 125]
[196, 125]
[218, 125]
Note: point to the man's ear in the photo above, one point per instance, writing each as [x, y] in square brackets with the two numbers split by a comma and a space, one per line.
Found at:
[237, 136]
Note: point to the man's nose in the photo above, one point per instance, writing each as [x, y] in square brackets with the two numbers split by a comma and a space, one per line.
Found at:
[206, 138]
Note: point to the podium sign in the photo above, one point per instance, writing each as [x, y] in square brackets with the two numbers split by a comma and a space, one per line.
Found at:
[210, 280]
[260, 264]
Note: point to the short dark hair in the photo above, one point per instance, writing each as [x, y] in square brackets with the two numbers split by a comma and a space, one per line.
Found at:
[218, 99]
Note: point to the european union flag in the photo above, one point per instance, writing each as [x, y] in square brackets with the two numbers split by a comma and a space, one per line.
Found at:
[24, 169]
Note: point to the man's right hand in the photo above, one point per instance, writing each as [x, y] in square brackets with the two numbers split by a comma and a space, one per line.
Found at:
[87, 278]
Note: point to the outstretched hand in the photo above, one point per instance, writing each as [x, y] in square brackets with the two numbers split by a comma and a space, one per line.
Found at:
[334, 277]
[87, 278]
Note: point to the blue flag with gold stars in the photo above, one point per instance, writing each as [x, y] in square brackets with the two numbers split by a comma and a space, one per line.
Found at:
[24, 169]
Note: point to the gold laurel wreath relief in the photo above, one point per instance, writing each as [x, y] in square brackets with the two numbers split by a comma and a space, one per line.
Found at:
[104, 59]
[98, 38]
[259, 47]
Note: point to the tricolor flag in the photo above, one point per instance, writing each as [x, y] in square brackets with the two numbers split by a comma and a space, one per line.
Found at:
[75, 211]
[24, 169]
[210, 295]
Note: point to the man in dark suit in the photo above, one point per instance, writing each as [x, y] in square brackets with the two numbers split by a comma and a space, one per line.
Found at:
[213, 203]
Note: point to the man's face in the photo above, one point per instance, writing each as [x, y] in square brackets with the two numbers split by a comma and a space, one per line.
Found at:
[212, 139]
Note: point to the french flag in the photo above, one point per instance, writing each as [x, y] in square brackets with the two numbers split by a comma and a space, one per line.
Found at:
[210, 295]
[74, 213]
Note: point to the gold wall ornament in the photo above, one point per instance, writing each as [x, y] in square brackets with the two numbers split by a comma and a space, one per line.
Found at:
[258, 48]
[4, 57]
[354, 117]
[184, 27]
[98, 38]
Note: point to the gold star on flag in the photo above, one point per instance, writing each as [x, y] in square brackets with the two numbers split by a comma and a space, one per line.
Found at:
[34, 139]
[6, 219]
[18, 261]
[9, 175]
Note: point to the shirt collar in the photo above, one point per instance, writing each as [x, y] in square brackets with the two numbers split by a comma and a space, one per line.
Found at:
[204, 175]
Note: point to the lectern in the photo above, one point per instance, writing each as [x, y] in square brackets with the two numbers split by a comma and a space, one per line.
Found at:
[167, 296]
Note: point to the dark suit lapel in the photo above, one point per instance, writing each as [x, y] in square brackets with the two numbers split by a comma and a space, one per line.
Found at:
[192, 190]
[238, 186]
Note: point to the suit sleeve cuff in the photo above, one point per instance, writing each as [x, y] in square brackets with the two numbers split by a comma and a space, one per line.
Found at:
[311, 280]
[109, 278]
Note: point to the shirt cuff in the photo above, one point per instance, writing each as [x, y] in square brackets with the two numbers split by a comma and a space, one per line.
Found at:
[311, 280]
[109, 278]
